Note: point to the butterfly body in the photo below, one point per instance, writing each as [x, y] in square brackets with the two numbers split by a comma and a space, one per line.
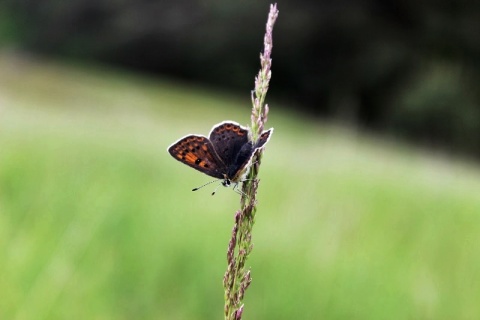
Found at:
[226, 154]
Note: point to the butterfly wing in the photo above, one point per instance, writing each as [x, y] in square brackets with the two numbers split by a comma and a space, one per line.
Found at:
[228, 138]
[244, 158]
[263, 139]
[198, 153]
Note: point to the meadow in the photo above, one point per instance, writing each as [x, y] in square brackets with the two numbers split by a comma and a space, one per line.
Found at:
[97, 221]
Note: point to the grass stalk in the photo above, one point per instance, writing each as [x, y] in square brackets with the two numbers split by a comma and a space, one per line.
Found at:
[237, 278]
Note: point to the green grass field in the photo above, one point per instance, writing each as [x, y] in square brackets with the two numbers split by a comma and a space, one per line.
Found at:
[97, 221]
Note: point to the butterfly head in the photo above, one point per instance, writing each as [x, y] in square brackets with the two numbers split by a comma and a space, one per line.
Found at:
[226, 182]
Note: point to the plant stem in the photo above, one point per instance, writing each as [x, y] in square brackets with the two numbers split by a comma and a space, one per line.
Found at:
[237, 279]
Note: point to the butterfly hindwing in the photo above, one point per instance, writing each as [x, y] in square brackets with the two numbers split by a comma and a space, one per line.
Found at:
[198, 153]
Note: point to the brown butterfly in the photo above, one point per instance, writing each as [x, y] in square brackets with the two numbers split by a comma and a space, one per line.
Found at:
[226, 154]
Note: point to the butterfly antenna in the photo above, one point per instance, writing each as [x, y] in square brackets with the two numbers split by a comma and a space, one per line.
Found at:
[213, 193]
[206, 184]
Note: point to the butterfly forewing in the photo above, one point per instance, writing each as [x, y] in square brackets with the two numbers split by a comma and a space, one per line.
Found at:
[198, 153]
[244, 157]
[228, 138]
[264, 137]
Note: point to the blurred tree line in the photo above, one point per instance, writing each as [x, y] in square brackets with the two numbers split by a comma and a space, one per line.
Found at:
[408, 68]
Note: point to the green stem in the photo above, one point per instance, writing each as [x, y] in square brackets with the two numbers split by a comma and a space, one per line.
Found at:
[236, 279]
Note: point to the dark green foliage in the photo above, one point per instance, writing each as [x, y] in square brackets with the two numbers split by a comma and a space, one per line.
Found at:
[354, 61]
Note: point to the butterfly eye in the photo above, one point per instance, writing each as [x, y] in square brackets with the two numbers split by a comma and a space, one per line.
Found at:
[198, 161]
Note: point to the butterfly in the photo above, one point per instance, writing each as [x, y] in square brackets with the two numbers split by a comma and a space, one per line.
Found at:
[226, 154]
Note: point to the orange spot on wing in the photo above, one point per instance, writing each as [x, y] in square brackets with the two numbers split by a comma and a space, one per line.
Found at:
[190, 157]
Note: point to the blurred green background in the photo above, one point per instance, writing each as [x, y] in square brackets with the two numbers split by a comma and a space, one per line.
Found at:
[97, 221]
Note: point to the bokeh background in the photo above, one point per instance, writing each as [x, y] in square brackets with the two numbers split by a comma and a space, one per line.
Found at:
[369, 202]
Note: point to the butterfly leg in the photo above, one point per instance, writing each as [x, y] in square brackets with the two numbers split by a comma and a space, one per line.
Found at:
[237, 190]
